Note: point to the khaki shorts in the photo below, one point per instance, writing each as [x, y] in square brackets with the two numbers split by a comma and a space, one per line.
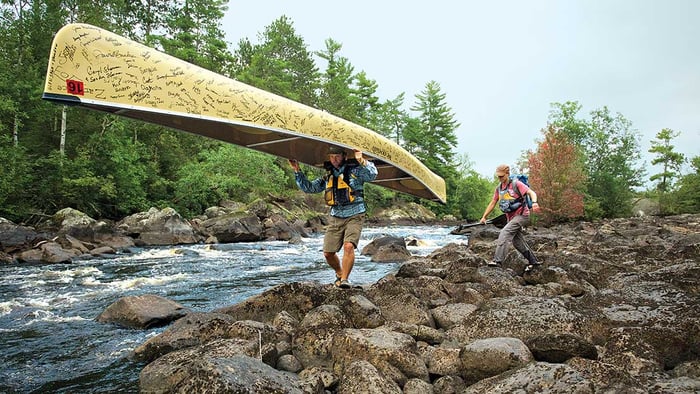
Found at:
[342, 230]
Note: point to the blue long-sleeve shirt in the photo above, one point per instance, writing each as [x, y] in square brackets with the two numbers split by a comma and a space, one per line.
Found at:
[362, 174]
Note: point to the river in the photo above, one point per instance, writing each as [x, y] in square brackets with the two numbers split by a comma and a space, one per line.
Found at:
[50, 341]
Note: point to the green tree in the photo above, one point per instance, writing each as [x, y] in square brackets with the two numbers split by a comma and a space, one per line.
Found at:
[227, 172]
[194, 34]
[563, 116]
[15, 179]
[472, 192]
[670, 160]
[393, 120]
[686, 197]
[281, 64]
[336, 83]
[24, 47]
[432, 139]
[611, 150]
[367, 106]
[138, 20]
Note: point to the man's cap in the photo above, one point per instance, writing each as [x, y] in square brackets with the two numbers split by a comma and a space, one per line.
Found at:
[503, 169]
[335, 150]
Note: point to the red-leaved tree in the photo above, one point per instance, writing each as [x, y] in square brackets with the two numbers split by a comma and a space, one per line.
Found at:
[558, 177]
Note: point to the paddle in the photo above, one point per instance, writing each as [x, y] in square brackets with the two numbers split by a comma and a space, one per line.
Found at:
[498, 221]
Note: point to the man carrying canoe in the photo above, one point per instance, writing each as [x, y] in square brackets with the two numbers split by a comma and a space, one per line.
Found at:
[343, 187]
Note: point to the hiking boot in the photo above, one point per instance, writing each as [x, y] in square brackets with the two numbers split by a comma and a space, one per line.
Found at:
[345, 284]
[532, 267]
[531, 259]
[493, 264]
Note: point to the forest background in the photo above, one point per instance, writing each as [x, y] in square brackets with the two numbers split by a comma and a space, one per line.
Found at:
[582, 166]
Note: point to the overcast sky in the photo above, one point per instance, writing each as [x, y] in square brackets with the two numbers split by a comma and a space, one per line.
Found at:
[502, 64]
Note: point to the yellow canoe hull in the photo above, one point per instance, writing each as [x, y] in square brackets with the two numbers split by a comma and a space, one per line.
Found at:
[97, 69]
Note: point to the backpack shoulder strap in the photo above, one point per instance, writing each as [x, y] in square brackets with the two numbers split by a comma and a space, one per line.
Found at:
[514, 182]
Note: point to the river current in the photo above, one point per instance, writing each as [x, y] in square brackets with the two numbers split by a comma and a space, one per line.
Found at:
[50, 341]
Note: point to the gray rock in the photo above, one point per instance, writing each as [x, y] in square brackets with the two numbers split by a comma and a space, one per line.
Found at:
[449, 384]
[15, 238]
[387, 249]
[363, 377]
[234, 228]
[557, 348]
[144, 311]
[313, 342]
[289, 363]
[443, 361]
[296, 299]
[391, 254]
[393, 354]
[158, 227]
[535, 378]
[418, 332]
[484, 358]
[363, 313]
[417, 386]
[198, 371]
[448, 316]
[325, 376]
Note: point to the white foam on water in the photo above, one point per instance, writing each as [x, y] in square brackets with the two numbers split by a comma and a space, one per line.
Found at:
[7, 306]
[50, 317]
[157, 254]
[133, 283]
[273, 268]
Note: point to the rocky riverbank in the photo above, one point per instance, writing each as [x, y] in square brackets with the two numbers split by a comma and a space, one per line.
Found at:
[614, 308]
[70, 234]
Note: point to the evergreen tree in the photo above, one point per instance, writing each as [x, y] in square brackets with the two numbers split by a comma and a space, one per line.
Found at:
[367, 106]
[336, 83]
[281, 64]
[670, 160]
[435, 140]
[194, 34]
[138, 20]
[432, 139]
[393, 119]
[16, 177]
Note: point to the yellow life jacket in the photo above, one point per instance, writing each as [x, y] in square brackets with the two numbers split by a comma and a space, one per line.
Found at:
[338, 190]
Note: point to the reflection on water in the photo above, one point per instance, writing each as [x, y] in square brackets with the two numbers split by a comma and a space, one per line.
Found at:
[50, 342]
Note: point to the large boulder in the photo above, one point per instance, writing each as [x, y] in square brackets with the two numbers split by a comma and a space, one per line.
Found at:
[313, 341]
[488, 357]
[234, 228]
[394, 354]
[215, 369]
[48, 252]
[296, 299]
[144, 311]
[539, 377]
[191, 330]
[158, 227]
[387, 249]
[15, 238]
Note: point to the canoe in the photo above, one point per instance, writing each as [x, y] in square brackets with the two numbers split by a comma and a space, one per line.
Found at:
[96, 69]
